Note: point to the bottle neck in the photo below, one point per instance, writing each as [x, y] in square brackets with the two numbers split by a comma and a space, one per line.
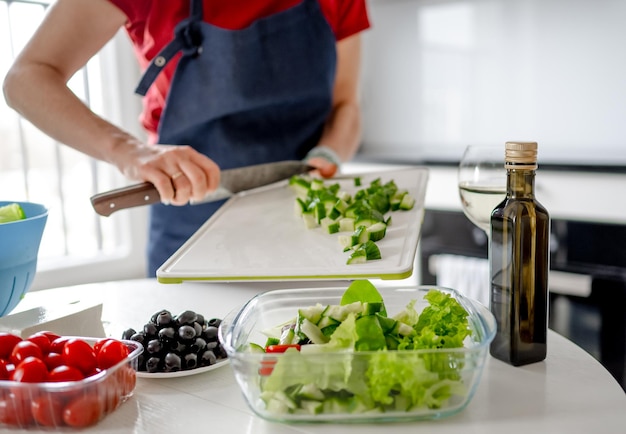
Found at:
[520, 183]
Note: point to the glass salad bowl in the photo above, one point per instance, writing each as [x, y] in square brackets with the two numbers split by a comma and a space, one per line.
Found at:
[363, 370]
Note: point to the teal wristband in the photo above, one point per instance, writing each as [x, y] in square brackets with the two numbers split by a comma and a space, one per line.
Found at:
[324, 152]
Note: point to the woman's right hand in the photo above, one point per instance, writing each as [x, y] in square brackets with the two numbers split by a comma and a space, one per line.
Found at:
[180, 173]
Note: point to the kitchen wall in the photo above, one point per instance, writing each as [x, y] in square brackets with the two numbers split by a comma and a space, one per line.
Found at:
[442, 74]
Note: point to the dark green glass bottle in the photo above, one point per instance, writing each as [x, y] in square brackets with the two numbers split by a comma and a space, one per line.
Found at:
[520, 262]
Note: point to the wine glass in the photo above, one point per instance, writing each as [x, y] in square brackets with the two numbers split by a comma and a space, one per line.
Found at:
[482, 186]
[482, 183]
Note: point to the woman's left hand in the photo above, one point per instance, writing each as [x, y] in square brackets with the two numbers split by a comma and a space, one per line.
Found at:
[325, 168]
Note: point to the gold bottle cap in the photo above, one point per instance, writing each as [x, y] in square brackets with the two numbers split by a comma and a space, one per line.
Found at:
[520, 155]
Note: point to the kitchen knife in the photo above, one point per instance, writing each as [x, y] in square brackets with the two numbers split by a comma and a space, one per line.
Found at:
[231, 181]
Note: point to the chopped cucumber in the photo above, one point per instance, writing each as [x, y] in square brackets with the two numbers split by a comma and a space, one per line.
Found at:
[312, 313]
[326, 321]
[346, 224]
[357, 257]
[256, 348]
[333, 213]
[407, 202]
[333, 228]
[371, 250]
[361, 214]
[310, 391]
[377, 231]
[364, 252]
[317, 184]
[345, 241]
[313, 332]
[287, 336]
[310, 407]
[300, 186]
[309, 220]
[272, 341]
[359, 236]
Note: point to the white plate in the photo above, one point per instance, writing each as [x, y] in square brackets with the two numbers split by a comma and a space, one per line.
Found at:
[256, 236]
[218, 364]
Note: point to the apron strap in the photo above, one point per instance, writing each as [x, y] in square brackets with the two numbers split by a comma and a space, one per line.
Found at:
[187, 38]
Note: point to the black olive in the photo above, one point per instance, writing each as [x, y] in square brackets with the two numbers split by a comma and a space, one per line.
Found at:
[186, 332]
[128, 333]
[154, 346]
[208, 358]
[210, 334]
[191, 361]
[172, 362]
[187, 317]
[164, 319]
[152, 364]
[150, 329]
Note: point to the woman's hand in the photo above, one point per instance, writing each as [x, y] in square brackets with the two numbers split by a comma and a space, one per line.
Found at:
[325, 168]
[180, 173]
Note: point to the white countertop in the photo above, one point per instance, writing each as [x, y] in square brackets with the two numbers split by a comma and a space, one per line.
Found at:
[570, 392]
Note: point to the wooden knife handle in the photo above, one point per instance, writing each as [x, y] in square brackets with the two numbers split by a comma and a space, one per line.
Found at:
[126, 197]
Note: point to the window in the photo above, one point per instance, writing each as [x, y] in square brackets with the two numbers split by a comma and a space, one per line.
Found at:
[78, 245]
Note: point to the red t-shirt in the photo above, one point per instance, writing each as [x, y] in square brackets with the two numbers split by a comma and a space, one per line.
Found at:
[151, 25]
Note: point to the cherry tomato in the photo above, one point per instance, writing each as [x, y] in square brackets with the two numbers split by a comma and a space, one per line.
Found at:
[15, 409]
[51, 335]
[98, 345]
[7, 342]
[267, 366]
[95, 371]
[24, 349]
[52, 360]
[266, 370]
[79, 354]
[111, 401]
[40, 340]
[112, 393]
[30, 370]
[4, 371]
[111, 353]
[56, 346]
[281, 348]
[47, 411]
[83, 411]
[65, 373]
[127, 377]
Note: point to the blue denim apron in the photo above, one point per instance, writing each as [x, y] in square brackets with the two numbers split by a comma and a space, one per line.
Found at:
[241, 97]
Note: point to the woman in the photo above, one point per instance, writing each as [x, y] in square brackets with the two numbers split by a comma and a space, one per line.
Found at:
[227, 84]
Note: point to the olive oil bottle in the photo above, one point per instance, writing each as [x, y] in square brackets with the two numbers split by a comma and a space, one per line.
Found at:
[519, 262]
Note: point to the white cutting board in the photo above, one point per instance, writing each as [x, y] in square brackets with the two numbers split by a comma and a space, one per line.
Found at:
[256, 235]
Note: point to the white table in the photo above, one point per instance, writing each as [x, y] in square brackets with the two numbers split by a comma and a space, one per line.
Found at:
[570, 392]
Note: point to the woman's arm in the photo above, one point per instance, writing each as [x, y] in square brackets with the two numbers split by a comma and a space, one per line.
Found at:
[36, 87]
[342, 132]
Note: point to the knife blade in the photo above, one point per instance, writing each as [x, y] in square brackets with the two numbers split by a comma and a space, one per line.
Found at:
[232, 181]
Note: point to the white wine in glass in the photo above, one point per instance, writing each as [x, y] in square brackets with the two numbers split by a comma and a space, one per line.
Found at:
[482, 183]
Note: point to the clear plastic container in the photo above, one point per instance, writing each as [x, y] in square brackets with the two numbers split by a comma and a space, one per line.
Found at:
[43, 405]
[452, 374]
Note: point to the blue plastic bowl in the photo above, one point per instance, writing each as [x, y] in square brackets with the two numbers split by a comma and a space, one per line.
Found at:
[19, 245]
